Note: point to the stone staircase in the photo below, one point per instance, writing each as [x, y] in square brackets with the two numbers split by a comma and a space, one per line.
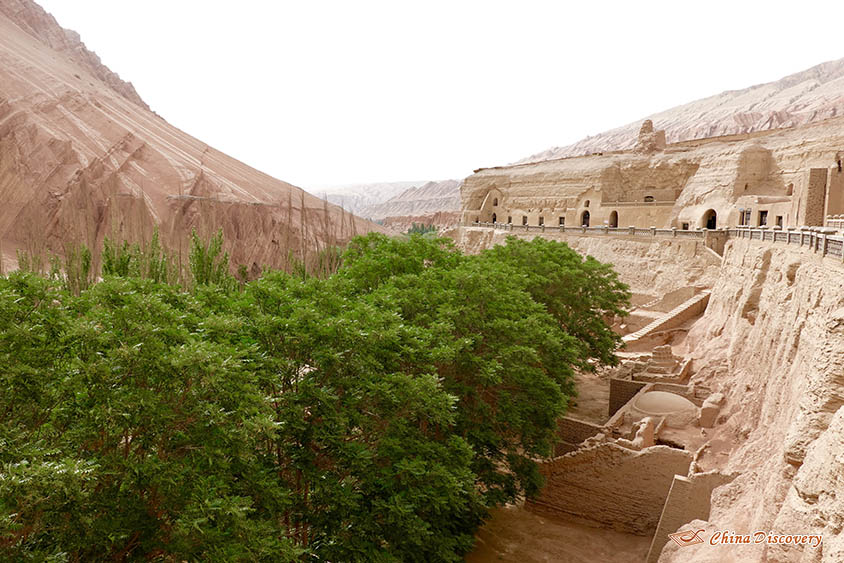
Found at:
[674, 318]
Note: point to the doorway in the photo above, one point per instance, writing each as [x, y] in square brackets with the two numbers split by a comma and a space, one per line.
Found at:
[710, 219]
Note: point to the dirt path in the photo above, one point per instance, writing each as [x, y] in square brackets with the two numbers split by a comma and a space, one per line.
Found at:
[516, 535]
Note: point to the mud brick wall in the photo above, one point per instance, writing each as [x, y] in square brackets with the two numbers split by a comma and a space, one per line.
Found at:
[621, 391]
[611, 487]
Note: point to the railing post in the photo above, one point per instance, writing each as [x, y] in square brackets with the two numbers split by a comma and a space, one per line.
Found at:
[674, 232]
[653, 230]
[632, 229]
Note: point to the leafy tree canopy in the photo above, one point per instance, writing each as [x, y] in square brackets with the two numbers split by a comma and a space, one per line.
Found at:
[374, 414]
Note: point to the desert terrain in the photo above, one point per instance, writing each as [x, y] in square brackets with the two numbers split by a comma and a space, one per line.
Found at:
[82, 157]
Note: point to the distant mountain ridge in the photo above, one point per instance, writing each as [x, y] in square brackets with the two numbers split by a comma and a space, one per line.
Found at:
[418, 201]
[804, 97]
[356, 197]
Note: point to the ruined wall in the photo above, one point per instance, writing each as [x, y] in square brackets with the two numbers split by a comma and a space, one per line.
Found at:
[621, 391]
[835, 192]
[772, 340]
[610, 486]
[572, 432]
[687, 500]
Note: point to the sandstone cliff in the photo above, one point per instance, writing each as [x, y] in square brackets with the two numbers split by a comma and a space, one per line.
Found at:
[772, 340]
[677, 186]
[82, 158]
[32, 18]
[804, 97]
[650, 266]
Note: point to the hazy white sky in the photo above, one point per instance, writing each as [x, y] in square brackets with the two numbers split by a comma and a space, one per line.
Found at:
[319, 93]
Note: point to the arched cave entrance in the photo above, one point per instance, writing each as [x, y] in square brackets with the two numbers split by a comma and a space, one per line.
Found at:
[494, 217]
[709, 220]
[614, 219]
[584, 219]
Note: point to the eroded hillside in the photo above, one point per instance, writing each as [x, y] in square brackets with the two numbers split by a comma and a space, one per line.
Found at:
[81, 158]
[772, 341]
[805, 97]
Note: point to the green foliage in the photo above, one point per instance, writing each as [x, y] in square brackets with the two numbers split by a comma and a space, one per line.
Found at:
[495, 348]
[209, 264]
[77, 268]
[421, 229]
[372, 414]
[366, 436]
[581, 294]
[140, 436]
[148, 261]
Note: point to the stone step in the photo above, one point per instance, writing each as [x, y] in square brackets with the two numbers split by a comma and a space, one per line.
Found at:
[683, 310]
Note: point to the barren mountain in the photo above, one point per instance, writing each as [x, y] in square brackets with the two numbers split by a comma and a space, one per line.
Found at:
[427, 199]
[356, 197]
[32, 18]
[798, 99]
[82, 157]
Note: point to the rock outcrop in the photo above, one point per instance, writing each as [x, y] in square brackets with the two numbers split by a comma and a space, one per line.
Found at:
[32, 18]
[772, 341]
[805, 97]
[82, 158]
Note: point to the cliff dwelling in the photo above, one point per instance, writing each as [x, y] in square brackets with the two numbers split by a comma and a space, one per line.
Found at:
[749, 180]
[713, 237]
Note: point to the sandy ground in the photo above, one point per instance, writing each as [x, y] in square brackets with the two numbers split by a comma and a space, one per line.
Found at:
[593, 399]
[517, 535]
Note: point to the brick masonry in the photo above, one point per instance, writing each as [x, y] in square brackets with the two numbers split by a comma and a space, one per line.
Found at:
[621, 391]
[610, 486]
[571, 433]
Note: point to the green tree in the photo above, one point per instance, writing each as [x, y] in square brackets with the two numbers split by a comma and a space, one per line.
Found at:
[369, 415]
[366, 437]
[499, 352]
[583, 294]
[146, 443]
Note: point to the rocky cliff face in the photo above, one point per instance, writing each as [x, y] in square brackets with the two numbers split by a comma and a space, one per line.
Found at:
[765, 170]
[31, 18]
[82, 158]
[798, 99]
[772, 340]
